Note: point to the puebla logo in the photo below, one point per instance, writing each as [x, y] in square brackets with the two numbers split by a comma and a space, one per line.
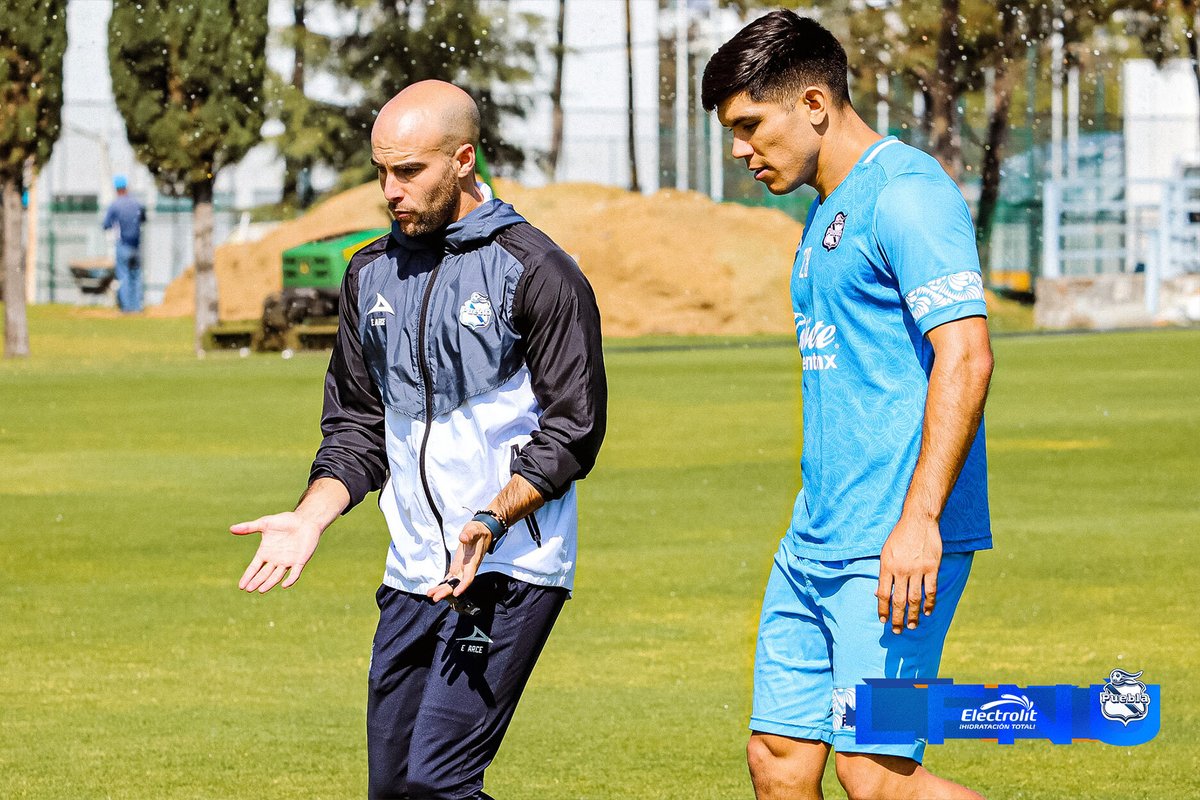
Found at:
[1124, 698]
[477, 312]
[833, 234]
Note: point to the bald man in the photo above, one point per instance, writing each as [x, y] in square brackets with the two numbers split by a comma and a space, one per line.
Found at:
[467, 384]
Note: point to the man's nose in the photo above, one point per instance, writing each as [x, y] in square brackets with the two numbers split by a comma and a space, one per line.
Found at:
[741, 148]
[393, 189]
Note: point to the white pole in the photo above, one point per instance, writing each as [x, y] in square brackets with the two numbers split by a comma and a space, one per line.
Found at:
[1156, 266]
[681, 95]
[1073, 122]
[881, 108]
[698, 131]
[989, 90]
[1051, 266]
[716, 138]
[1056, 103]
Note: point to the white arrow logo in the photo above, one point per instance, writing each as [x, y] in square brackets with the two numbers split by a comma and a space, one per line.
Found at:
[381, 306]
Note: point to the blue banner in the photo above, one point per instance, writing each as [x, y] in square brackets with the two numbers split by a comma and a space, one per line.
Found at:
[1121, 711]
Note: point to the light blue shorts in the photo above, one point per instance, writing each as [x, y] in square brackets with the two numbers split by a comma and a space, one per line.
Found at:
[820, 636]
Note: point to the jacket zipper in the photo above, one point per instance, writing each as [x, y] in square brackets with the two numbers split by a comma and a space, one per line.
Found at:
[427, 379]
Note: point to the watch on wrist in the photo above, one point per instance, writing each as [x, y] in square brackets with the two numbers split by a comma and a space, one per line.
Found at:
[494, 523]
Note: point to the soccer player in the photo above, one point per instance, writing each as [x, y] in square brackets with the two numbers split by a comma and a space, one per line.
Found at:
[890, 317]
[467, 382]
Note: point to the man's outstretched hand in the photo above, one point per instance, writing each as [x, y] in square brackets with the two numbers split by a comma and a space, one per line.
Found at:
[288, 542]
[289, 539]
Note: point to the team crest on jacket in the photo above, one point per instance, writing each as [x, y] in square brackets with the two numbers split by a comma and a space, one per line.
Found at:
[477, 312]
[833, 234]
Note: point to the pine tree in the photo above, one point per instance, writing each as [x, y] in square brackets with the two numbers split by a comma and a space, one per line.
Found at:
[33, 39]
[398, 42]
[188, 80]
[314, 132]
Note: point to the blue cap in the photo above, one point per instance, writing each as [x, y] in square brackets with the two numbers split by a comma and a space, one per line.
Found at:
[119, 182]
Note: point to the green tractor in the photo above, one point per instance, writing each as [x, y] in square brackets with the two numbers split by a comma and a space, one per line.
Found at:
[303, 316]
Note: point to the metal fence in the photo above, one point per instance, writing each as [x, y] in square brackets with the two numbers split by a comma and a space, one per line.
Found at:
[74, 237]
[1095, 227]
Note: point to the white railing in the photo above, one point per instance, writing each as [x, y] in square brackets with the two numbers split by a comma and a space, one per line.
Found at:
[1095, 227]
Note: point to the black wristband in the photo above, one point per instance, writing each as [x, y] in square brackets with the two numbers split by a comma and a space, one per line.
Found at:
[494, 523]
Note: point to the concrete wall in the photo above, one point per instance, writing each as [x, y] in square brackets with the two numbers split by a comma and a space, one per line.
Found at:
[1102, 302]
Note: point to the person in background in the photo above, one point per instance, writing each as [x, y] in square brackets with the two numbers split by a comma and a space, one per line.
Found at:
[127, 215]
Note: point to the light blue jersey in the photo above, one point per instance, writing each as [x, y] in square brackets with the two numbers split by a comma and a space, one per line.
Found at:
[888, 256]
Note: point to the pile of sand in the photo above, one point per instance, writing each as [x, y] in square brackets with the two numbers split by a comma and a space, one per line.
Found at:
[247, 272]
[671, 262]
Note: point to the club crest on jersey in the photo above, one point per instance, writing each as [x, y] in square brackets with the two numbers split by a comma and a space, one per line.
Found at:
[833, 234]
[1124, 698]
[477, 312]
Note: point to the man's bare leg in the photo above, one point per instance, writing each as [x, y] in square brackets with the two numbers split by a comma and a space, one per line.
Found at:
[783, 768]
[866, 776]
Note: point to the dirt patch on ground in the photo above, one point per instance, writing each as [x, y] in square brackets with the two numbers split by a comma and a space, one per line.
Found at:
[671, 262]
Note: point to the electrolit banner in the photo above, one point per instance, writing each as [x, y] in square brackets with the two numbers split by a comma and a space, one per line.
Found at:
[1120, 711]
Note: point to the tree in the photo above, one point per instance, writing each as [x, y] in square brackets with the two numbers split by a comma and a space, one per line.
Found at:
[398, 42]
[188, 80]
[556, 107]
[313, 130]
[33, 39]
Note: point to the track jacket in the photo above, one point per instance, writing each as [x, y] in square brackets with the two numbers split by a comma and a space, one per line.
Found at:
[462, 358]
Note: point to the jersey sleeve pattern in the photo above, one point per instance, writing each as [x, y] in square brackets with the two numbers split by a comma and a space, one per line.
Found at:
[940, 293]
[924, 231]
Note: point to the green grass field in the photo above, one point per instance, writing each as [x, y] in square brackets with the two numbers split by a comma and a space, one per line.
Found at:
[131, 667]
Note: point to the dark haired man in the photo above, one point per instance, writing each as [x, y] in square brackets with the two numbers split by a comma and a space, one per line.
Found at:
[890, 317]
[467, 383]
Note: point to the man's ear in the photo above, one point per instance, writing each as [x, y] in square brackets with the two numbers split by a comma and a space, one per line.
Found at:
[464, 160]
[814, 103]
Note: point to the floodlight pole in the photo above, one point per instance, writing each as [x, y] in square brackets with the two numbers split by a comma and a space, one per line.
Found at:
[681, 95]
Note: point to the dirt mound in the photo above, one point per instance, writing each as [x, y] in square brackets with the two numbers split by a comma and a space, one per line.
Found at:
[247, 272]
[671, 262]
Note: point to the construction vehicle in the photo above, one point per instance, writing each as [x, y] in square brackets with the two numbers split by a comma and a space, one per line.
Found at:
[303, 316]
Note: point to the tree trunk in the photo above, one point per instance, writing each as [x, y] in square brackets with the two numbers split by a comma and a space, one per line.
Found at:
[997, 138]
[944, 138]
[293, 166]
[556, 130]
[633, 176]
[16, 327]
[202, 253]
[1191, 10]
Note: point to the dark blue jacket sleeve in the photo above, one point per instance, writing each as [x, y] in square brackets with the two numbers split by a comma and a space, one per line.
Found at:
[353, 450]
[555, 310]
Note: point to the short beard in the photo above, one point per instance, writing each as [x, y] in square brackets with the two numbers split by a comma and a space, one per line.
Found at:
[442, 204]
